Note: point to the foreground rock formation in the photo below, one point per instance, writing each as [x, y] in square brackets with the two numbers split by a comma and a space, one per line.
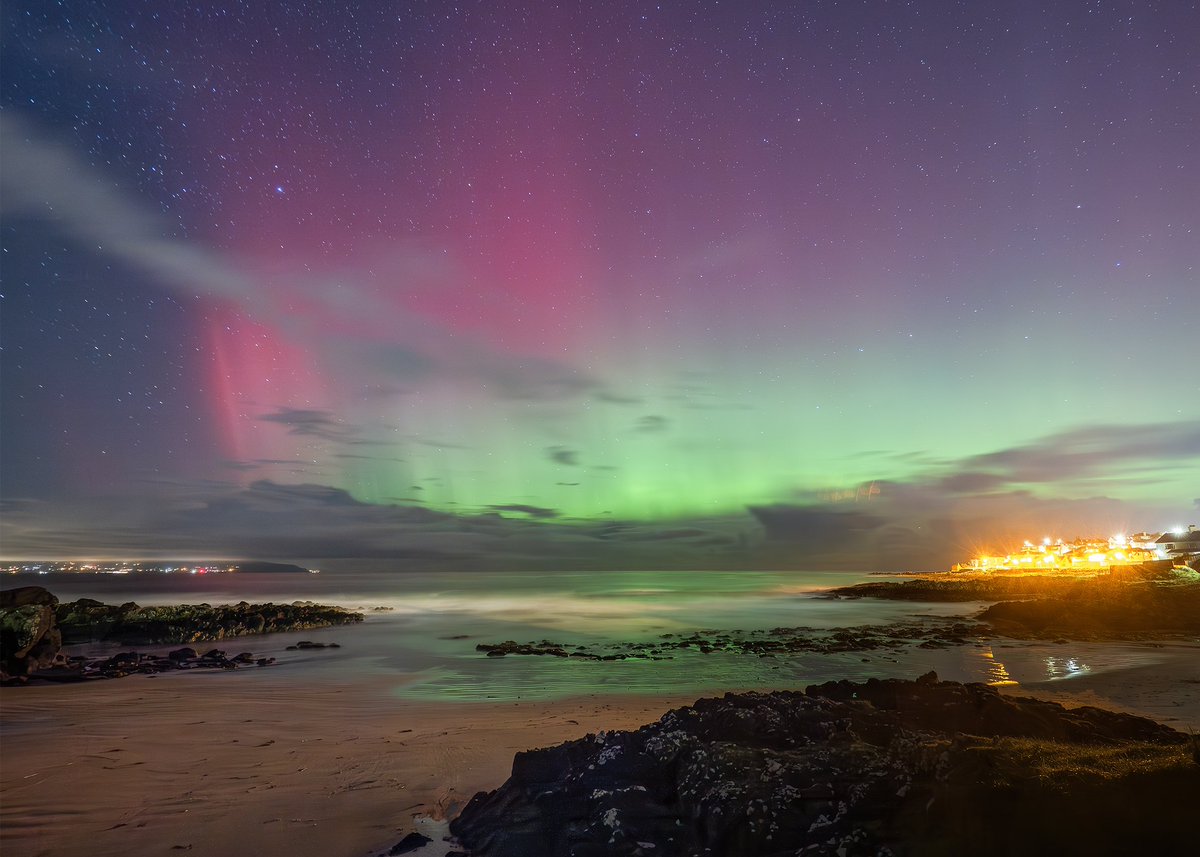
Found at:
[883, 767]
[34, 627]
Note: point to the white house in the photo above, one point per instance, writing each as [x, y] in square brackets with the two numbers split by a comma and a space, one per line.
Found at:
[1175, 544]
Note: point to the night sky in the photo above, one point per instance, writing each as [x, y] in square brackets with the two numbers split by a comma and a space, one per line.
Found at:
[823, 284]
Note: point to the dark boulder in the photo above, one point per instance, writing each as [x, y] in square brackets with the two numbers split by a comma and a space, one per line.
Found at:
[409, 844]
[30, 639]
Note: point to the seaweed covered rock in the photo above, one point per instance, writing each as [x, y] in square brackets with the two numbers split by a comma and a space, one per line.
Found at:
[29, 636]
[86, 620]
[844, 769]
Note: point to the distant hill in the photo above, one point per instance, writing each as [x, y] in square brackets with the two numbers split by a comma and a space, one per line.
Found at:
[262, 567]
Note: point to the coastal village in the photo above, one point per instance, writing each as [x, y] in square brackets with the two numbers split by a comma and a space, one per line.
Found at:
[1178, 545]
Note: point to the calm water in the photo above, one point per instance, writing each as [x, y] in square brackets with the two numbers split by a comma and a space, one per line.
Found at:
[425, 644]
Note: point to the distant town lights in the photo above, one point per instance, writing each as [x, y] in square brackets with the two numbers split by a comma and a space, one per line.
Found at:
[1085, 554]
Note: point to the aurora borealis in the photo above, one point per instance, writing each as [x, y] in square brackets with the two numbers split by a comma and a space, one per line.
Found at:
[622, 284]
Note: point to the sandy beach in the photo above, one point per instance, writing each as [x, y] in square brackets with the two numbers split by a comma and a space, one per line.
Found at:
[225, 764]
[250, 763]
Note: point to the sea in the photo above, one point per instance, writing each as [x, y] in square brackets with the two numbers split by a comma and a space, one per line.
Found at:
[421, 630]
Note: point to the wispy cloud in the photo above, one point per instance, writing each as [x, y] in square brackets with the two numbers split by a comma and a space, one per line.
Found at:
[949, 509]
[312, 423]
[652, 424]
[315, 522]
[563, 455]
[355, 326]
[523, 509]
[1086, 452]
[930, 519]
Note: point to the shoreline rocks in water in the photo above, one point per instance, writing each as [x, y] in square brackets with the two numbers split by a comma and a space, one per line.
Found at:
[929, 633]
[34, 627]
[1148, 605]
[138, 663]
[913, 767]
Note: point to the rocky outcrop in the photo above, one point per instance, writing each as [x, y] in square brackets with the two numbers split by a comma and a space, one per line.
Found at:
[1148, 602]
[34, 627]
[882, 767]
[1136, 612]
[29, 636]
[86, 620]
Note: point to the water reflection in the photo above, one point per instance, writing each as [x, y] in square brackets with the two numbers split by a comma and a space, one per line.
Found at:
[1059, 668]
[995, 673]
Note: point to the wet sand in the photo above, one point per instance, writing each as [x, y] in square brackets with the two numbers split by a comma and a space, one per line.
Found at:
[250, 763]
[229, 764]
[1168, 692]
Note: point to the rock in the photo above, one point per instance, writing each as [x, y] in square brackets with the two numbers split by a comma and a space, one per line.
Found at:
[899, 767]
[1110, 611]
[24, 596]
[1146, 602]
[86, 620]
[409, 843]
[30, 639]
[63, 674]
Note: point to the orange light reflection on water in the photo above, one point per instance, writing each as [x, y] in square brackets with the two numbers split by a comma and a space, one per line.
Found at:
[997, 673]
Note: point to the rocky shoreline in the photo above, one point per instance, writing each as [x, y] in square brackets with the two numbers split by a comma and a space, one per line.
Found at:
[86, 620]
[34, 627]
[895, 767]
[1145, 603]
[928, 633]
